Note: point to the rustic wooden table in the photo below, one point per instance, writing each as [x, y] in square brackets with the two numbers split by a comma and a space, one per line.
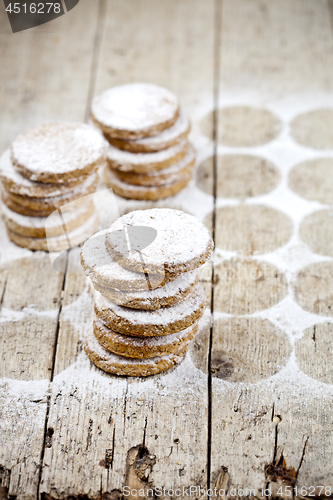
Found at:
[249, 409]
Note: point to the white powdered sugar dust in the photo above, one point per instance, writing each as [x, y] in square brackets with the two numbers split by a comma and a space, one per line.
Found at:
[180, 238]
[58, 148]
[163, 316]
[124, 160]
[134, 106]
[287, 315]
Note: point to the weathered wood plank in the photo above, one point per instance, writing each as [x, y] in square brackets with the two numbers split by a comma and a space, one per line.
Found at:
[275, 49]
[269, 424]
[104, 432]
[107, 431]
[28, 326]
[97, 422]
[45, 71]
[44, 77]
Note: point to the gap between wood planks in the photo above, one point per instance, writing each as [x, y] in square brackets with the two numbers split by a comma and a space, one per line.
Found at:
[94, 63]
[3, 291]
[51, 378]
[216, 83]
[100, 26]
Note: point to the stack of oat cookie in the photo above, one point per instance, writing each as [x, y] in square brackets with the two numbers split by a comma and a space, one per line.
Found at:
[47, 168]
[149, 156]
[147, 297]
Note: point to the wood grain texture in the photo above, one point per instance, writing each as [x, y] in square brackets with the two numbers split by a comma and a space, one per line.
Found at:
[108, 432]
[276, 48]
[262, 414]
[246, 286]
[271, 432]
[100, 424]
[36, 86]
[45, 71]
[28, 326]
[146, 48]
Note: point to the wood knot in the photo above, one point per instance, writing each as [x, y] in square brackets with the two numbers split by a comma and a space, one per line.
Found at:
[278, 470]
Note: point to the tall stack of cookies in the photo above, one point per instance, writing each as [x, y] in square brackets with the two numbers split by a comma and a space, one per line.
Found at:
[51, 169]
[149, 156]
[147, 297]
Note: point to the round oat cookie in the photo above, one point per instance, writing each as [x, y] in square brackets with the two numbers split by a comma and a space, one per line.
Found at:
[172, 293]
[40, 227]
[133, 192]
[58, 243]
[15, 183]
[106, 272]
[140, 323]
[166, 139]
[133, 367]
[168, 175]
[19, 209]
[142, 347]
[142, 163]
[58, 152]
[135, 110]
[182, 242]
[52, 203]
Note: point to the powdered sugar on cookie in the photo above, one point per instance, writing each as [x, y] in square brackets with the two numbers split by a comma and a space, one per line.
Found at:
[145, 162]
[135, 192]
[165, 139]
[99, 266]
[56, 150]
[159, 318]
[182, 242]
[158, 178]
[61, 242]
[44, 222]
[139, 342]
[119, 365]
[135, 107]
[15, 183]
[170, 289]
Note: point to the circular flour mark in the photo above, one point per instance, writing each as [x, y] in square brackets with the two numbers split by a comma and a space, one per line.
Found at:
[316, 231]
[314, 129]
[246, 286]
[243, 176]
[243, 126]
[238, 176]
[313, 180]
[247, 349]
[205, 175]
[314, 352]
[251, 228]
[313, 288]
